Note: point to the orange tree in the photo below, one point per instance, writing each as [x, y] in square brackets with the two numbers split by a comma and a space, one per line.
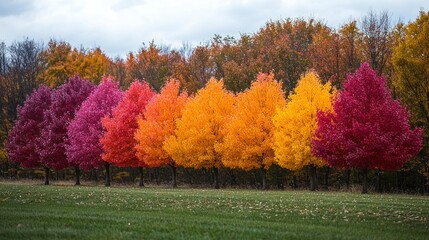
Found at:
[249, 141]
[158, 124]
[202, 128]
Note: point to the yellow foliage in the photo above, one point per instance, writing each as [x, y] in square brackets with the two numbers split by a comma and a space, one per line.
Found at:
[202, 127]
[296, 122]
[249, 141]
[61, 62]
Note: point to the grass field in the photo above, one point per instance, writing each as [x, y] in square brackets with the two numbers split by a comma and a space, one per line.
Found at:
[64, 212]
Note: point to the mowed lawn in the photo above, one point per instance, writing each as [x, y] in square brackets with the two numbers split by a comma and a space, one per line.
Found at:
[32, 211]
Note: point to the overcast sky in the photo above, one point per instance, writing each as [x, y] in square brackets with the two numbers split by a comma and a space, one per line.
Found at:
[120, 26]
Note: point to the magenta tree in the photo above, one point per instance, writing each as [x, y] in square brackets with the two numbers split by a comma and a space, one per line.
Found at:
[21, 143]
[84, 148]
[65, 101]
[368, 128]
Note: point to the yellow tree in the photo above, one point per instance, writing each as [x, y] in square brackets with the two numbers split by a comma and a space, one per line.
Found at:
[411, 82]
[202, 128]
[158, 124]
[249, 141]
[296, 122]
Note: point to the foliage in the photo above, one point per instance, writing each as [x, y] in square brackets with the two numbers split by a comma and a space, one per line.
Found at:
[118, 139]
[411, 64]
[66, 100]
[155, 65]
[368, 129]
[296, 123]
[158, 124]
[21, 143]
[201, 128]
[249, 140]
[61, 62]
[84, 148]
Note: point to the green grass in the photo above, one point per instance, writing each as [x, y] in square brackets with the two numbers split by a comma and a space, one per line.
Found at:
[64, 212]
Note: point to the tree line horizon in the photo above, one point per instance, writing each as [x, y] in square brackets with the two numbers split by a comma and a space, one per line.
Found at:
[284, 50]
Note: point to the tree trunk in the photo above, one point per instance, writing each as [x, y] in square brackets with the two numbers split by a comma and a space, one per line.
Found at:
[174, 175]
[294, 182]
[279, 180]
[141, 183]
[94, 175]
[365, 181]
[216, 177]
[77, 175]
[346, 178]
[264, 178]
[107, 181]
[232, 177]
[378, 181]
[327, 176]
[397, 181]
[313, 180]
[47, 175]
[15, 173]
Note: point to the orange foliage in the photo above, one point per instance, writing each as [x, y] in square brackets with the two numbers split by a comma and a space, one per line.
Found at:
[201, 127]
[249, 140]
[158, 124]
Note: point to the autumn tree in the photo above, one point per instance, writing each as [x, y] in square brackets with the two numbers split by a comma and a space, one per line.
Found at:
[376, 32]
[200, 67]
[350, 42]
[20, 64]
[56, 61]
[249, 140]
[325, 54]
[158, 124]
[21, 143]
[411, 65]
[61, 61]
[296, 123]
[94, 65]
[118, 139]
[201, 129]
[282, 47]
[84, 148]
[152, 64]
[66, 100]
[368, 128]
[232, 61]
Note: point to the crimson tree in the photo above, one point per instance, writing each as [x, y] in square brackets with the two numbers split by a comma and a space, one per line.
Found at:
[368, 128]
[21, 143]
[66, 100]
[84, 148]
[118, 140]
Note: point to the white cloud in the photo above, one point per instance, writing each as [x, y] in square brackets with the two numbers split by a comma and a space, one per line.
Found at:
[119, 26]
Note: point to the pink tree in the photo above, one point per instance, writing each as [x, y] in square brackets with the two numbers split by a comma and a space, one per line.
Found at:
[84, 148]
[118, 140]
[21, 143]
[368, 128]
[65, 102]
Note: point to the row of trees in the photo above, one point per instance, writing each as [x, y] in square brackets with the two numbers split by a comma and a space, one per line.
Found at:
[364, 129]
[286, 48]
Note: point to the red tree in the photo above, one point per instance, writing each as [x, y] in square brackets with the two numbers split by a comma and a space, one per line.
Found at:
[368, 128]
[21, 143]
[66, 100]
[84, 148]
[118, 140]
